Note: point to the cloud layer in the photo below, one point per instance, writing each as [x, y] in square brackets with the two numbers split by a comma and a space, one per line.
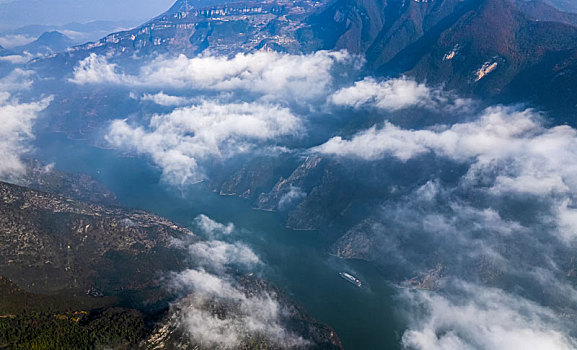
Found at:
[218, 310]
[494, 204]
[265, 73]
[248, 316]
[482, 319]
[16, 123]
[394, 94]
[178, 142]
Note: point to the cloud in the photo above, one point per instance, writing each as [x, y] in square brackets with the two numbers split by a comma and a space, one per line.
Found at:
[474, 317]
[539, 160]
[178, 142]
[165, 100]
[293, 195]
[96, 70]
[393, 95]
[218, 310]
[13, 40]
[254, 315]
[218, 255]
[507, 151]
[266, 73]
[16, 122]
[16, 80]
[15, 59]
[212, 228]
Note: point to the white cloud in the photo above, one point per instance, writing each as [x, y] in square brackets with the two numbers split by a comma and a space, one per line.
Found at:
[538, 160]
[179, 141]
[267, 73]
[15, 59]
[212, 228]
[218, 255]
[12, 40]
[16, 122]
[96, 70]
[294, 194]
[251, 312]
[18, 79]
[482, 319]
[394, 94]
[254, 315]
[390, 94]
[163, 99]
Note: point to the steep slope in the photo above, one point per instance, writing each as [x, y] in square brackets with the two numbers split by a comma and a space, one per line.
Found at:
[380, 30]
[542, 11]
[224, 29]
[564, 5]
[488, 47]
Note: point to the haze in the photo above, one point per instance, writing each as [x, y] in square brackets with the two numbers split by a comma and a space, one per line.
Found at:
[24, 12]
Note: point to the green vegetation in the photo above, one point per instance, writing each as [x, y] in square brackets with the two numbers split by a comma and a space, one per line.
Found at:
[34, 321]
[114, 328]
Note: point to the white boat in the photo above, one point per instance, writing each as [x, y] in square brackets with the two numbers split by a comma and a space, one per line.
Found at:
[352, 279]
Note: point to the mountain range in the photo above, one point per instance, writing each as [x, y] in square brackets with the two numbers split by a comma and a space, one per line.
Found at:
[499, 49]
[397, 210]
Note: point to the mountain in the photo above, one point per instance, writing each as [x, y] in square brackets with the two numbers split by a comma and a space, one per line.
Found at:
[564, 5]
[542, 11]
[224, 29]
[54, 244]
[47, 44]
[477, 47]
[483, 52]
[91, 274]
[4, 52]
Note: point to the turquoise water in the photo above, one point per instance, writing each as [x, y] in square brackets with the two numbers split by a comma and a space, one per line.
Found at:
[297, 261]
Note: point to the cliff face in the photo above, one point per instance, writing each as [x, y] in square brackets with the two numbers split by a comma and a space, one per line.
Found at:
[224, 29]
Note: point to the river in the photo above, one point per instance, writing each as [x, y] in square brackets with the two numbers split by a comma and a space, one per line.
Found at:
[297, 261]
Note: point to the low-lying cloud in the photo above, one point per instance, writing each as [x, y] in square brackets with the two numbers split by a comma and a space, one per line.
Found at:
[267, 73]
[213, 229]
[165, 100]
[475, 317]
[16, 123]
[395, 94]
[248, 316]
[540, 160]
[218, 310]
[180, 141]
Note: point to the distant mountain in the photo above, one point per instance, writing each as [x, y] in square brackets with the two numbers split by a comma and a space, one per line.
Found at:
[4, 52]
[188, 5]
[55, 12]
[477, 47]
[224, 28]
[79, 32]
[48, 43]
[542, 11]
[564, 5]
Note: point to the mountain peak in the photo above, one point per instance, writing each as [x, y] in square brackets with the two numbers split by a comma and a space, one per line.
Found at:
[52, 35]
[47, 43]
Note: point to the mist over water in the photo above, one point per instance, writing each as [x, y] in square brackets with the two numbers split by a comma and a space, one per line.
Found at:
[295, 261]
